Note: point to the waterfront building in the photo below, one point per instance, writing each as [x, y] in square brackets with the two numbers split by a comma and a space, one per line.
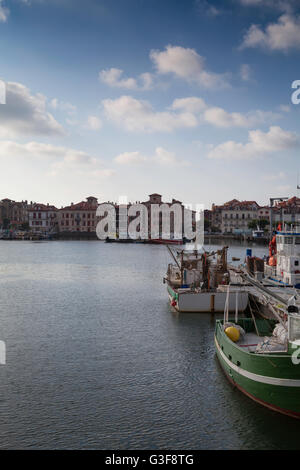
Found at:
[13, 215]
[42, 218]
[156, 199]
[264, 213]
[234, 216]
[79, 217]
[287, 211]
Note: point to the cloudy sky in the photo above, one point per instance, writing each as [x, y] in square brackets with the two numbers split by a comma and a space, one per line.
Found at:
[187, 98]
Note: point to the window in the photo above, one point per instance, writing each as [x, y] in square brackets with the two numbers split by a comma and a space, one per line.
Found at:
[288, 240]
[297, 241]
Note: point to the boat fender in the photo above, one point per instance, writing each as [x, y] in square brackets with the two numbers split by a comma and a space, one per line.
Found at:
[173, 303]
[233, 333]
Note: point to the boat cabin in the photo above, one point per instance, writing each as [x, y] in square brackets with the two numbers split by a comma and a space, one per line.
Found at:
[288, 257]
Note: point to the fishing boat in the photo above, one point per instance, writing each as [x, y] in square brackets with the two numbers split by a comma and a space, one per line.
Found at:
[282, 266]
[197, 282]
[263, 359]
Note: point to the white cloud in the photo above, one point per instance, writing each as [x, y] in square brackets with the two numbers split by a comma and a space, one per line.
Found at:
[191, 104]
[275, 176]
[280, 36]
[187, 64]
[94, 123]
[204, 7]
[137, 115]
[166, 158]
[57, 158]
[26, 114]
[221, 118]
[42, 151]
[282, 5]
[259, 144]
[4, 12]
[114, 78]
[161, 157]
[245, 72]
[63, 106]
[285, 108]
[130, 158]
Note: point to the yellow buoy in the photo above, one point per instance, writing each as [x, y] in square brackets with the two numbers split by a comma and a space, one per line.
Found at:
[233, 333]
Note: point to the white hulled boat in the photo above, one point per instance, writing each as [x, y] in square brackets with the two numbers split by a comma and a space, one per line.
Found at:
[198, 282]
[283, 264]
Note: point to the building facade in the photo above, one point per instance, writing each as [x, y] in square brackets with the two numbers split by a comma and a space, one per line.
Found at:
[13, 214]
[80, 217]
[234, 216]
[42, 218]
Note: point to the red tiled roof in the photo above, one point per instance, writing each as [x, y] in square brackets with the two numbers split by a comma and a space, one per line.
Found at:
[42, 207]
[80, 206]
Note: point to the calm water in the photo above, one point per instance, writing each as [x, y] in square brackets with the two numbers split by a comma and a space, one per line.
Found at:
[96, 359]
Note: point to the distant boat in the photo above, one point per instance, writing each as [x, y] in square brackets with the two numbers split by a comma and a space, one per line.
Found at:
[164, 241]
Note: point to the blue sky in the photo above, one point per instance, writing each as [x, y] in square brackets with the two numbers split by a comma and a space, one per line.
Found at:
[190, 98]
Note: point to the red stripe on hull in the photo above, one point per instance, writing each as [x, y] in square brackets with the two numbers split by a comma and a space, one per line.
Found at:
[292, 414]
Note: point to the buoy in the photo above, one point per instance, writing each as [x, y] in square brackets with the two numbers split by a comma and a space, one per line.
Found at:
[233, 333]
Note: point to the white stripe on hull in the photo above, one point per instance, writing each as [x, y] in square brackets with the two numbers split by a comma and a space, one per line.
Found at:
[257, 378]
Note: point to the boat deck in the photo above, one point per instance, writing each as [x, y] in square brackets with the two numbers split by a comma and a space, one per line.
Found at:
[249, 342]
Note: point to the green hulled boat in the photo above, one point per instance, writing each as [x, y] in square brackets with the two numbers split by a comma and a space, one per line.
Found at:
[263, 364]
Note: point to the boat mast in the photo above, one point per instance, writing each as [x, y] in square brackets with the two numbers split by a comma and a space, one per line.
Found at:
[273, 200]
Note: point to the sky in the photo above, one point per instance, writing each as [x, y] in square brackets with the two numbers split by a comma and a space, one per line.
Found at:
[191, 99]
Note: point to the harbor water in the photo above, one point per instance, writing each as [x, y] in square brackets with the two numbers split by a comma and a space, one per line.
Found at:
[96, 359]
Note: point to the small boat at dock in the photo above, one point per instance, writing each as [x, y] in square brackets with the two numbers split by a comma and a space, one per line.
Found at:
[197, 282]
[263, 359]
[282, 266]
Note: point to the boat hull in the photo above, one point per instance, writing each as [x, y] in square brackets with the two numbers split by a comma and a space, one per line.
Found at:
[271, 380]
[204, 302]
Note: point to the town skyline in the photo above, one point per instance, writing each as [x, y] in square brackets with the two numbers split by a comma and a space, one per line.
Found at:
[234, 216]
